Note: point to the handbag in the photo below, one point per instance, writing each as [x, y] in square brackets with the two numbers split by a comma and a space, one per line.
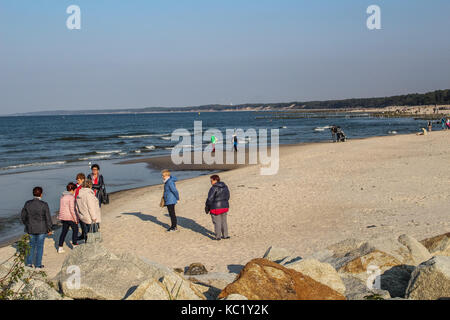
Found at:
[162, 203]
[105, 196]
[93, 235]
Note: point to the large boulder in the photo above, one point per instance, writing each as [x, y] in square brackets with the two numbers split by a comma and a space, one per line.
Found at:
[169, 287]
[319, 271]
[262, 279]
[106, 276]
[276, 254]
[430, 280]
[438, 245]
[356, 289]
[217, 280]
[33, 285]
[355, 256]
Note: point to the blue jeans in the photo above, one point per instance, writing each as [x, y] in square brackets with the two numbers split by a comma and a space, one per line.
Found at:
[37, 249]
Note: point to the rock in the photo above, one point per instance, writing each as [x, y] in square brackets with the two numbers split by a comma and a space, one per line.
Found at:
[262, 279]
[170, 287]
[235, 297]
[321, 272]
[196, 269]
[395, 280]
[290, 259]
[430, 280]
[276, 254]
[105, 276]
[36, 288]
[356, 289]
[438, 245]
[383, 253]
[214, 279]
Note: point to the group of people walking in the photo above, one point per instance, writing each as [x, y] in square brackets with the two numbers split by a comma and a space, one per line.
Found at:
[79, 205]
[216, 204]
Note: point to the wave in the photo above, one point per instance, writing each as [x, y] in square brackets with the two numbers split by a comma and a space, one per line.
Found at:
[320, 129]
[392, 132]
[105, 156]
[108, 152]
[35, 164]
[138, 136]
[150, 147]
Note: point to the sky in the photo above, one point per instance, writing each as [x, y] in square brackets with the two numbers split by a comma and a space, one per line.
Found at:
[149, 53]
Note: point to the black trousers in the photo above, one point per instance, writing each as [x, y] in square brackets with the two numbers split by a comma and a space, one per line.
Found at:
[85, 230]
[173, 217]
[65, 229]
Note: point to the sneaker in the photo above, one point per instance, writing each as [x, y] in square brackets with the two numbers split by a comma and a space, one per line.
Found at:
[40, 267]
[172, 229]
[225, 237]
[61, 250]
[29, 266]
[216, 239]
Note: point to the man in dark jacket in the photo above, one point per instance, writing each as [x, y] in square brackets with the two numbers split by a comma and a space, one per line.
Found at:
[217, 205]
[38, 223]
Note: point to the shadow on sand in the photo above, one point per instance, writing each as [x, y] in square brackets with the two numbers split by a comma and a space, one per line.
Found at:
[182, 222]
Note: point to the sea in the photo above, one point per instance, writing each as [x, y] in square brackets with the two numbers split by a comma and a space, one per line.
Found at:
[49, 151]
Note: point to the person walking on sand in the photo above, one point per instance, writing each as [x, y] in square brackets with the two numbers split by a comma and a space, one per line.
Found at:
[171, 197]
[87, 208]
[38, 223]
[68, 216]
[430, 126]
[217, 205]
[98, 183]
[235, 141]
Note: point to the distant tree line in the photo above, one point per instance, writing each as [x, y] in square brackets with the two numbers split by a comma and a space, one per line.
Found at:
[438, 97]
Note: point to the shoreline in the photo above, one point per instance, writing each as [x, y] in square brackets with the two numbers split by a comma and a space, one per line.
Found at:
[323, 193]
[164, 162]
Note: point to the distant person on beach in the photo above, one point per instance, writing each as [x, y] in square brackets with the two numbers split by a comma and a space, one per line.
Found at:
[68, 216]
[98, 183]
[171, 197]
[235, 142]
[333, 130]
[447, 124]
[217, 205]
[213, 141]
[87, 208]
[430, 126]
[38, 223]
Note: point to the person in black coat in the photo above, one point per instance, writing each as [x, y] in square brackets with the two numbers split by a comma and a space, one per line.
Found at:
[38, 223]
[98, 183]
[217, 205]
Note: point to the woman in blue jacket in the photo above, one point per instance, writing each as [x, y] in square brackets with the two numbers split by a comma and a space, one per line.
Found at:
[171, 197]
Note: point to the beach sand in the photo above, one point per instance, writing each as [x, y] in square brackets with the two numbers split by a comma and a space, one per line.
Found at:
[323, 193]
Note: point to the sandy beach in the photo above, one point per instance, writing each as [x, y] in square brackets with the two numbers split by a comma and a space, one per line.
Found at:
[323, 193]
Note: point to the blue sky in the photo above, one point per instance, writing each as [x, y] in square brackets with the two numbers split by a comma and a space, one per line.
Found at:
[179, 53]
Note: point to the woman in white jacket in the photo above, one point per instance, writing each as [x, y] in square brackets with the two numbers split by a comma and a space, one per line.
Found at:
[88, 208]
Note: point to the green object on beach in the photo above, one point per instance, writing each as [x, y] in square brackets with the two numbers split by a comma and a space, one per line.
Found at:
[213, 139]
